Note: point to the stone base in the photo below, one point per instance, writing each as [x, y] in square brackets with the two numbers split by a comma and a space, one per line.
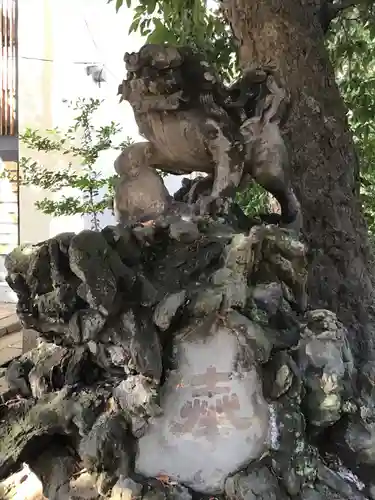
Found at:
[184, 349]
[29, 339]
[215, 418]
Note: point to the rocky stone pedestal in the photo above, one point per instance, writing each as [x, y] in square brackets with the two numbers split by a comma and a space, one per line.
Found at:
[215, 419]
[180, 360]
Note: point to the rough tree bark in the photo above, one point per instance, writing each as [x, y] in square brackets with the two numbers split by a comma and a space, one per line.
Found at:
[325, 166]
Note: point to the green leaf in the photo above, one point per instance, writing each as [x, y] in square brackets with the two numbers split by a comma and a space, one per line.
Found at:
[151, 6]
[140, 9]
[134, 25]
[119, 4]
[144, 25]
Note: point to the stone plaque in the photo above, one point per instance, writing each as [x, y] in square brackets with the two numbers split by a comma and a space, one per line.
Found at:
[215, 421]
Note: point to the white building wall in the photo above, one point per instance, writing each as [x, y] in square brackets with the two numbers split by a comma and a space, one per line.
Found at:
[64, 35]
[55, 37]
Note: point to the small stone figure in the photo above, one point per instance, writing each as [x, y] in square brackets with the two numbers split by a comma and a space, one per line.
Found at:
[140, 192]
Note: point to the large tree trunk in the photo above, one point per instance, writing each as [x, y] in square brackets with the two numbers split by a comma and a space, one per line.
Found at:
[324, 162]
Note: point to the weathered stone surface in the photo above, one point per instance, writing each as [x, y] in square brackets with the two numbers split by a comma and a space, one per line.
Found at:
[58, 248]
[50, 362]
[163, 353]
[55, 466]
[206, 302]
[139, 196]
[126, 489]
[47, 368]
[213, 422]
[59, 304]
[179, 492]
[319, 492]
[163, 489]
[118, 356]
[280, 376]
[145, 235]
[138, 425]
[155, 494]
[123, 241]
[167, 309]
[87, 404]
[82, 487]
[18, 260]
[29, 339]
[17, 375]
[108, 446]
[326, 362]
[129, 342]
[63, 240]
[38, 275]
[145, 345]
[257, 483]
[253, 334]
[26, 421]
[268, 297]
[184, 231]
[94, 262]
[85, 325]
[336, 482]
[23, 483]
[137, 395]
[104, 483]
[148, 293]
[359, 435]
[322, 491]
[18, 372]
[294, 459]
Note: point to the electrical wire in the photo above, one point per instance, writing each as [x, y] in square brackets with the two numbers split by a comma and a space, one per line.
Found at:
[97, 49]
[83, 63]
[54, 60]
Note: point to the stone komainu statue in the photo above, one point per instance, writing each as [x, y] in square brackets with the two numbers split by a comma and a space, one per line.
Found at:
[192, 122]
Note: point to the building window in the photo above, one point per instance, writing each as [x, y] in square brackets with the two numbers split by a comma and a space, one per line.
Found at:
[8, 65]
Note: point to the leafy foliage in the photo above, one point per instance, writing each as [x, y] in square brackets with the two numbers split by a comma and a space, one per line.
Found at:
[186, 22]
[351, 45]
[83, 142]
[254, 200]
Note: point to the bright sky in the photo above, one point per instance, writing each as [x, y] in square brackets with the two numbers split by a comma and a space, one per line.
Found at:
[83, 30]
